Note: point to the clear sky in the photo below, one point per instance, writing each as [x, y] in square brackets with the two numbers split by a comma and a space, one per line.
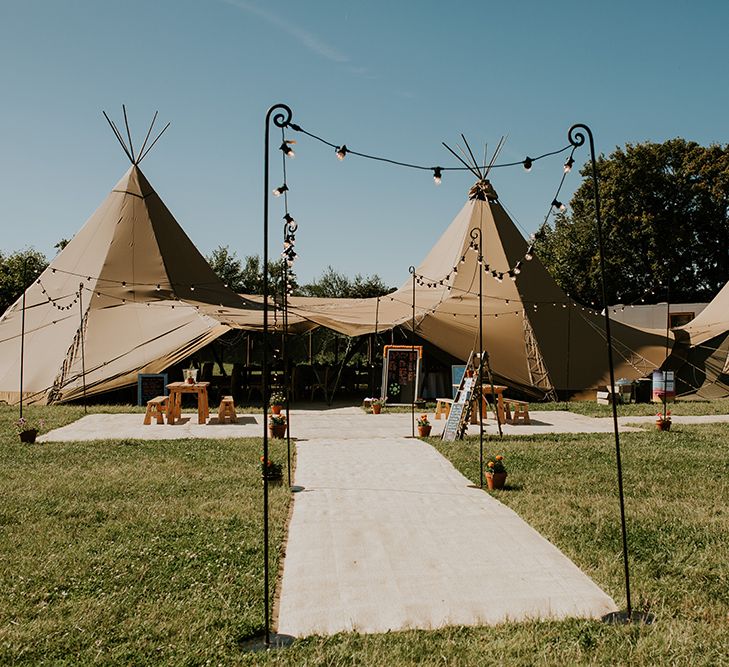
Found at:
[390, 78]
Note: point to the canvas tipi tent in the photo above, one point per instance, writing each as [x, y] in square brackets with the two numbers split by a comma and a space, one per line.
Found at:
[132, 287]
[538, 339]
[701, 355]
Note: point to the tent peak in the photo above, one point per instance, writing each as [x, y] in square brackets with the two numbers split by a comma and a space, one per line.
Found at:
[483, 190]
[135, 159]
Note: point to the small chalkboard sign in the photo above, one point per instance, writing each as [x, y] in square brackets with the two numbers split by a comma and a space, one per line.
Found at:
[150, 385]
[401, 373]
[456, 415]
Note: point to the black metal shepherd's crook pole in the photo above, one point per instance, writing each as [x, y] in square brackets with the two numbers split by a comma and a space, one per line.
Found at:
[476, 234]
[81, 333]
[22, 334]
[281, 119]
[411, 269]
[577, 138]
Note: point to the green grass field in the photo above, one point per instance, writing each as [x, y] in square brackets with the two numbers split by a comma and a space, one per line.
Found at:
[149, 553]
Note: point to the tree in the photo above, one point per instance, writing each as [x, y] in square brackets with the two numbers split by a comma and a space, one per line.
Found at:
[246, 277]
[665, 212]
[17, 272]
[335, 284]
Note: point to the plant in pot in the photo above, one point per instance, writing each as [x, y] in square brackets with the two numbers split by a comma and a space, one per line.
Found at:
[271, 471]
[28, 430]
[423, 426]
[277, 426]
[377, 404]
[663, 421]
[189, 375]
[495, 472]
[277, 401]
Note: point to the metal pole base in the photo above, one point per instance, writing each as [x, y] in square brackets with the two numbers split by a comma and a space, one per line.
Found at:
[258, 644]
[624, 618]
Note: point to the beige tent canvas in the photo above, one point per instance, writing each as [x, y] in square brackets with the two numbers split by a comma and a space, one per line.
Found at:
[538, 339]
[701, 356]
[133, 287]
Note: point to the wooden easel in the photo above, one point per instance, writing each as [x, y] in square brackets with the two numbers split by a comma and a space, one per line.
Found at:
[461, 409]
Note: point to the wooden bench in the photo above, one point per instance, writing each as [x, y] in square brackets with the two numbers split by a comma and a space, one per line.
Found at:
[157, 407]
[517, 412]
[443, 406]
[227, 409]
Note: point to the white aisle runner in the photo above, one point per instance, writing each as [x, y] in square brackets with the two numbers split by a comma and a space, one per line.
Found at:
[387, 535]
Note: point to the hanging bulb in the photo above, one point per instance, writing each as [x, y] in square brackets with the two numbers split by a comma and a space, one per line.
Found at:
[558, 205]
[192, 288]
[568, 164]
[500, 277]
[98, 294]
[288, 218]
[480, 259]
[437, 175]
[277, 192]
[512, 275]
[463, 259]
[286, 148]
[342, 152]
[124, 283]
[517, 268]
[158, 288]
[529, 256]
[528, 163]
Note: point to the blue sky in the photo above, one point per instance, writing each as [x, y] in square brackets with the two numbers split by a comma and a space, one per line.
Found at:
[390, 78]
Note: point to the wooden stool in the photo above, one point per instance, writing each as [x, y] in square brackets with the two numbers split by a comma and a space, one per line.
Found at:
[443, 406]
[157, 408]
[227, 409]
[520, 414]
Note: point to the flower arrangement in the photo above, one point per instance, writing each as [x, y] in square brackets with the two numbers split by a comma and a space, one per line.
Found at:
[495, 464]
[379, 401]
[270, 469]
[663, 422]
[277, 420]
[28, 430]
[423, 420]
[278, 398]
[660, 416]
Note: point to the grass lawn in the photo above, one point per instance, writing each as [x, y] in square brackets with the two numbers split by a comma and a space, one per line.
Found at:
[149, 553]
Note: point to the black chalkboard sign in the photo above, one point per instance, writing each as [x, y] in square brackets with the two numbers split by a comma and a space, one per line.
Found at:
[150, 385]
[401, 373]
[456, 418]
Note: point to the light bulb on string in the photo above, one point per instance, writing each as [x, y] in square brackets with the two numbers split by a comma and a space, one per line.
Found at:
[277, 192]
[568, 164]
[437, 175]
[289, 219]
[528, 162]
[286, 148]
[529, 256]
[342, 152]
[517, 268]
[558, 205]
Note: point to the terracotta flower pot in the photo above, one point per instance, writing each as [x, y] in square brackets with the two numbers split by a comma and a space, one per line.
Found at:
[662, 425]
[495, 480]
[376, 409]
[277, 430]
[276, 409]
[424, 431]
[29, 435]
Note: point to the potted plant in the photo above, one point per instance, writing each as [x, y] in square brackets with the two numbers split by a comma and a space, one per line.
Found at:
[495, 473]
[27, 430]
[277, 401]
[423, 426]
[271, 471]
[377, 404]
[663, 422]
[277, 426]
[189, 375]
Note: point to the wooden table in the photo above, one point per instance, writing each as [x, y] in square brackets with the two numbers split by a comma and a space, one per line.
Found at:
[500, 407]
[174, 404]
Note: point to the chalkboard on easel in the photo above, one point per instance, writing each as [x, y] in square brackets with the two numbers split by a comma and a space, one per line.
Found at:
[459, 412]
[401, 373]
[150, 385]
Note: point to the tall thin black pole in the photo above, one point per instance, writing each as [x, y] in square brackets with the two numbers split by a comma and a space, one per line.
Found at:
[476, 234]
[81, 333]
[280, 119]
[414, 358]
[22, 333]
[668, 333]
[285, 355]
[577, 138]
